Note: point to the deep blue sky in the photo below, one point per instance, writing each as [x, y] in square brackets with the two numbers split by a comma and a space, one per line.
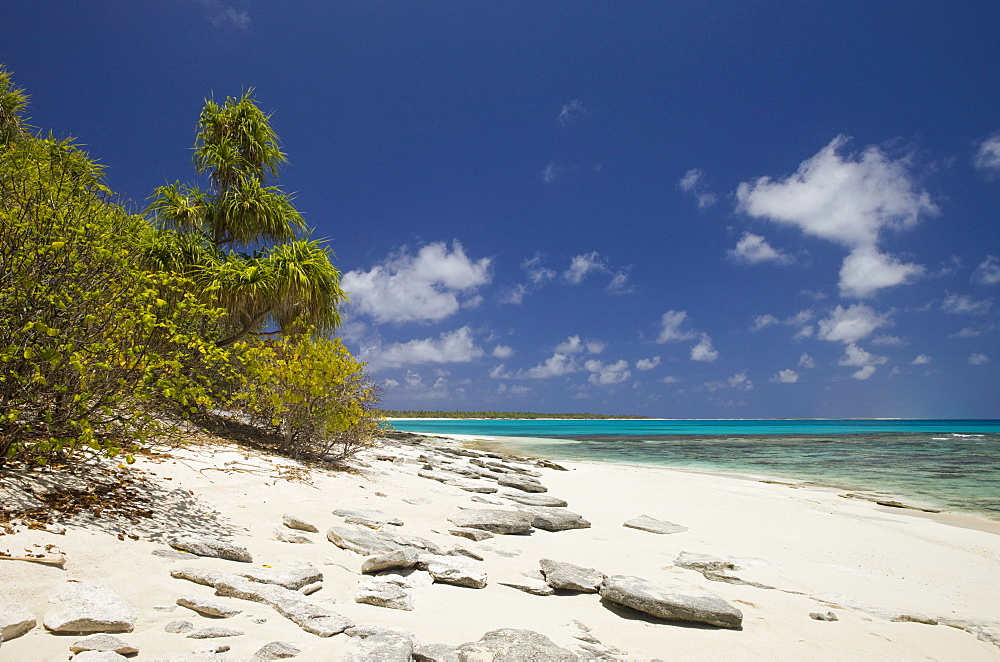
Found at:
[678, 209]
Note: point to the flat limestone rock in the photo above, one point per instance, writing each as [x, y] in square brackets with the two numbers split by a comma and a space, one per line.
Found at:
[493, 520]
[275, 650]
[383, 594]
[704, 563]
[15, 620]
[380, 645]
[283, 535]
[471, 534]
[555, 519]
[653, 525]
[454, 570]
[103, 642]
[92, 608]
[292, 579]
[406, 577]
[98, 656]
[215, 633]
[214, 547]
[511, 644]
[435, 653]
[480, 487]
[178, 627]
[569, 577]
[297, 523]
[529, 499]
[360, 541]
[207, 607]
[312, 618]
[372, 518]
[523, 483]
[530, 585]
[400, 558]
[672, 603]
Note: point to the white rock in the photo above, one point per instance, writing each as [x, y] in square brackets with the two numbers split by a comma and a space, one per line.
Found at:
[92, 608]
[15, 620]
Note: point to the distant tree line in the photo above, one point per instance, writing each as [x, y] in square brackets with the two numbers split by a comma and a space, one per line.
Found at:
[495, 414]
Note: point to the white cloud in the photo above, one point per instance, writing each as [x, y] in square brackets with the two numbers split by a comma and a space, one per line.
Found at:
[670, 379]
[537, 272]
[738, 381]
[390, 383]
[754, 249]
[693, 182]
[572, 112]
[515, 295]
[455, 346]
[611, 373]
[764, 321]
[503, 351]
[855, 356]
[921, 359]
[806, 361]
[704, 351]
[848, 325]
[988, 156]
[555, 366]
[552, 172]
[864, 372]
[866, 270]
[582, 265]
[619, 283]
[671, 323]
[847, 199]
[889, 341]
[222, 15]
[967, 332]
[647, 364]
[963, 304]
[417, 288]
[979, 359]
[787, 376]
[987, 273]
[573, 345]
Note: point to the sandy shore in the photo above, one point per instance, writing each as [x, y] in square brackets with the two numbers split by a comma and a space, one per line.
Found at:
[796, 551]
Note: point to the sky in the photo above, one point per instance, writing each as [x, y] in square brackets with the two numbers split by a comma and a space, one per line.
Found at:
[685, 209]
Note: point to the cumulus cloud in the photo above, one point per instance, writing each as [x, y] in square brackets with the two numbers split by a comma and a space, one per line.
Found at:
[693, 182]
[704, 351]
[857, 357]
[671, 323]
[987, 273]
[670, 379]
[538, 274]
[848, 325]
[963, 304]
[572, 112]
[647, 364]
[806, 361]
[787, 376]
[503, 351]
[763, 321]
[555, 366]
[582, 265]
[921, 359]
[573, 345]
[851, 200]
[605, 374]
[417, 288]
[979, 359]
[738, 381]
[988, 156]
[865, 271]
[456, 346]
[754, 249]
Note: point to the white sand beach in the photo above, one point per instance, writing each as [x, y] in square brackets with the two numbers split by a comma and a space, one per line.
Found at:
[901, 586]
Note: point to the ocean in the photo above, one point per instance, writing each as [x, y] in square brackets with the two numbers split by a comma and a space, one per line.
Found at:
[952, 465]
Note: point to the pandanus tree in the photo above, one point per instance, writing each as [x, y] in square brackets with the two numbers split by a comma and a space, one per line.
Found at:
[241, 238]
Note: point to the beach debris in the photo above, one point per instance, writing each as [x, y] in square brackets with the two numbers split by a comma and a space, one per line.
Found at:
[45, 558]
[819, 616]
[275, 650]
[554, 519]
[103, 642]
[215, 633]
[514, 644]
[400, 558]
[493, 520]
[653, 525]
[383, 594]
[569, 577]
[205, 546]
[372, 518]
[523, 483]
[178, 627]
[15, 620]
[379, 644]
[672, 603]
[297, 523]
[529, 499]
[470, 533]
[91, 608]
[456, 570]
[309, 589]
[207, 607]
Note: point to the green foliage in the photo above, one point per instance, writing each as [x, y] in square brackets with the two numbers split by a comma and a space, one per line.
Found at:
[13, 101]
[311, 391]
[92, 346]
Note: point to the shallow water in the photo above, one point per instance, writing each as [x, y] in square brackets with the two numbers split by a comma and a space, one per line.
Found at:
[953, 465]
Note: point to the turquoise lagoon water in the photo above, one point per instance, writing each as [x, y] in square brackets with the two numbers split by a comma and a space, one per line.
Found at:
[950, 464]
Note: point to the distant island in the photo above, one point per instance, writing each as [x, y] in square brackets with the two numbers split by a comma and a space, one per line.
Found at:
[497, 415]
